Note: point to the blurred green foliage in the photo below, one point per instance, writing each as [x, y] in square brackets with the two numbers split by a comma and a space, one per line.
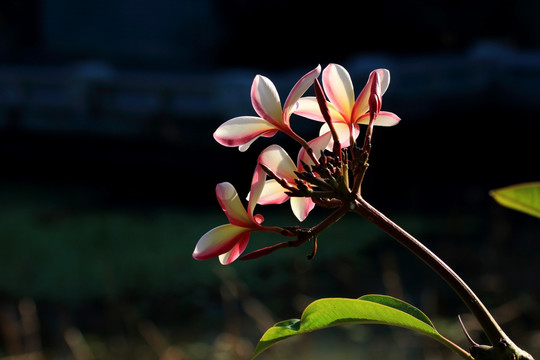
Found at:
[67, 245]
[114, 265]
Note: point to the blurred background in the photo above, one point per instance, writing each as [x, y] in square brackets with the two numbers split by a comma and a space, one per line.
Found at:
[107, 110]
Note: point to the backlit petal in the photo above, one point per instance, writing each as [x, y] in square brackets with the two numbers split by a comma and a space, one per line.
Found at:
[361, 106]
[257, 186]
[232, 206]
[343, 133]
[317, 145]
[236, 251]
[219, 240]
[265, 99]
[273, 193]
[339, 88]
[301, 206]
[384, 118]
[298, 90]
[243, 130]
[276, 159]
[384, 79]
[244, 147]
[308, 107]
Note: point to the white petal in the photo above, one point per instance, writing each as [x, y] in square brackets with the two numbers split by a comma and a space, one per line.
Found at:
[384, 118]
[231, 205]
[235, 252]
[301, 206]
[276, 159]
[244, 147]
[361, 106]
[219, 240]
[265, 99]
[273, 193]
[318, 145]
[243, 130]
[308, 107]
[298, 90]
[343, 133]
[384, 79]
[339, 88]
[257, 186]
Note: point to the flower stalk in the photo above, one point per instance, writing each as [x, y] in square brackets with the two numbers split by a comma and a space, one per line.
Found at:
[502, 347]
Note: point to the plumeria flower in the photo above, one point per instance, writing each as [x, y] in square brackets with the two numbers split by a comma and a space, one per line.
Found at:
[229, 241]
[279, 162]
[345, 111]
[242, 131]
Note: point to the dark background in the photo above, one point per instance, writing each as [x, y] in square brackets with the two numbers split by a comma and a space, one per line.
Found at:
[126, 85]
[107, 110]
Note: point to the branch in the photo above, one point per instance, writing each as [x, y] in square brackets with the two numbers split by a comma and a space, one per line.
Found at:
[503, 347]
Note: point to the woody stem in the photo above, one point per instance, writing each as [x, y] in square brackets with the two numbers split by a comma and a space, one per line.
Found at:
[492, 329]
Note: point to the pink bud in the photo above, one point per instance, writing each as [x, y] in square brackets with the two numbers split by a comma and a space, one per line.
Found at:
[375, 95]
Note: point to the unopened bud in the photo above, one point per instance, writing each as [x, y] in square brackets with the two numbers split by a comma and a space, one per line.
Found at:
[375, 95]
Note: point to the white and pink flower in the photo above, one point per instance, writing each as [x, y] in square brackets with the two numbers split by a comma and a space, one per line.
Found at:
[346, 112]
[280, 163]
[242, 131]
[229, 241]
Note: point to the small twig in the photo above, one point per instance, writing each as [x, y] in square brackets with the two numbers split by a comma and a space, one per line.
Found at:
[327, 203]
[270, 249]
[471, 341]
[314, 180]
[284, 183]
[303, 235]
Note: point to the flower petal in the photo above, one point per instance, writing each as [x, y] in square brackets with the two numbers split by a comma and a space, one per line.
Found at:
[301, 206]
[384, 118]
[236, 251]
[343, 132]
[384, 79]
[318, 145]
[361, 106]
[273, 193]
[276, 159]
[308, 107]
[219, 240]
[257, 186]
[339, 88]
[243, 130]
[297, 91]
[232, 206]
[265, 100]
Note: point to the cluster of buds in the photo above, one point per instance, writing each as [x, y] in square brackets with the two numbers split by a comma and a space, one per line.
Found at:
[329, 169]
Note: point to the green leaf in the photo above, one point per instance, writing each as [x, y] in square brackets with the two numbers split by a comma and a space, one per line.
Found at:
[398, 305]
[369, 309]
[521, 197]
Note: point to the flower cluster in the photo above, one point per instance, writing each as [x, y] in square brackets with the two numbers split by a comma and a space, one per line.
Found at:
[328, 170]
